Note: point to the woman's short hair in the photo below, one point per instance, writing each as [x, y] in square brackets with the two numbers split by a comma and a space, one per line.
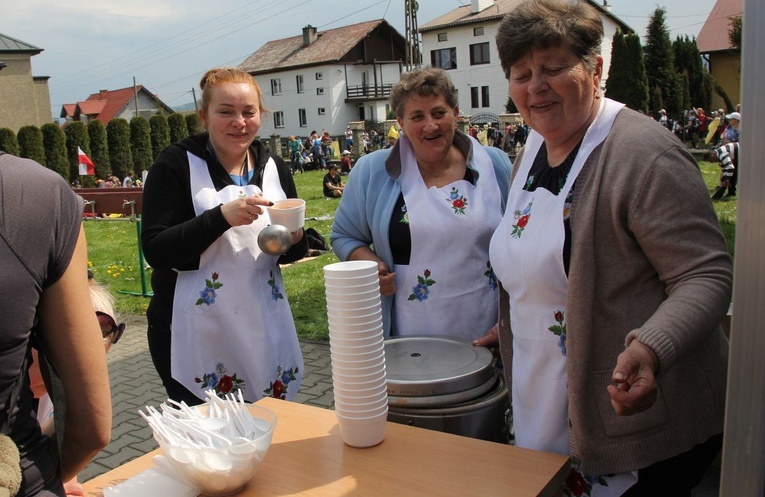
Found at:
[223, 75]
[550, 23]
[430, 81]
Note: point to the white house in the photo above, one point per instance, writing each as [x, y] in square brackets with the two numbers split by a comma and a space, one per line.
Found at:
[324, 80]
[462, 42]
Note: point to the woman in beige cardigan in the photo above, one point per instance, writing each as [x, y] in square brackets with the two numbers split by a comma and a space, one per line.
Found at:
[616, 272]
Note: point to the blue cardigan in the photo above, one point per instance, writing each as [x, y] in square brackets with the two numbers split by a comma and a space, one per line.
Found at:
[373, 186]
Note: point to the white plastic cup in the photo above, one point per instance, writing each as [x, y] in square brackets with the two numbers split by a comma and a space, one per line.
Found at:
[361, 411]
[354, 316]
[359, 373]
[342, 305]
[369, 279]
[354, 342]
[354, 296]
[371, 320]
[362, 432]
[357, 359]
[349, 269]
[369, 328]
[355, 387]
[351, 398]
[362, 353]
[289, 213]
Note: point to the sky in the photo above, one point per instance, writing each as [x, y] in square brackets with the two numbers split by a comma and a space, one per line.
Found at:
[166, 45]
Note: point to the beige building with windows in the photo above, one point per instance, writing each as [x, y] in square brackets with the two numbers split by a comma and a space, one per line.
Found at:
[24, 98]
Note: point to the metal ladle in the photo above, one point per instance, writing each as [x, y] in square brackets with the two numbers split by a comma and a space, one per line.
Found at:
[275, 239]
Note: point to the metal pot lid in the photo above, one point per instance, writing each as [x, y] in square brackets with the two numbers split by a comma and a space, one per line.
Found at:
[428, 365]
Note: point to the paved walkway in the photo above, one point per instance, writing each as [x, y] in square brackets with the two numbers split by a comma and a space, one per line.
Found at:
[135, 384]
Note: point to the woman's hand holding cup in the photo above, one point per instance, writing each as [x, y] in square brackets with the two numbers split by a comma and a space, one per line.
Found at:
[244, 210]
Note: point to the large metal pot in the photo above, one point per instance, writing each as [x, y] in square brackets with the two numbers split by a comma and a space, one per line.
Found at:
[446, 385]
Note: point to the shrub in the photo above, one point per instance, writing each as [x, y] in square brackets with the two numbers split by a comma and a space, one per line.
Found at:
[54, 142]
[99, 149]
[118, 139]
[140, 144]
[193, 124]
[160, 134]
[31, 144]
[177, 125]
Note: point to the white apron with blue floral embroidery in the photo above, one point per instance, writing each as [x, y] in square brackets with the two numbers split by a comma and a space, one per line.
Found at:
[527, 256]
[232, 326]
[448, 288]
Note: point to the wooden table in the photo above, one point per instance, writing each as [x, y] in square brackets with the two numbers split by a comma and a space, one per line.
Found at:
[308, 457]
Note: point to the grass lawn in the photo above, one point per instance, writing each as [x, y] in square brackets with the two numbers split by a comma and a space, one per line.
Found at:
[113, 255]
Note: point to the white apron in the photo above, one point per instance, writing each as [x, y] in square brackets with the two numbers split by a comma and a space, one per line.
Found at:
[448, 288]
[232, 326]
[527, 255]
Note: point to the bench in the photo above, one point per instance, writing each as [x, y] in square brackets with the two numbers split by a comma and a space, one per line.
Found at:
[101, 202]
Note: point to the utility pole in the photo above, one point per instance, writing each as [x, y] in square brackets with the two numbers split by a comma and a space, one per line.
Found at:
[194, 94]
[413, 56]
[135, 97]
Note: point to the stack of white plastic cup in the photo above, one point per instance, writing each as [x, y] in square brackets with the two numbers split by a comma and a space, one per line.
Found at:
[356, 347]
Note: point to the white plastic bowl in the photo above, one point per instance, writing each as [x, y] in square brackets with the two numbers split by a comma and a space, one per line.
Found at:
[331, 288]
[362, 432]
[223, 471]
[289, 213]
[349, 269]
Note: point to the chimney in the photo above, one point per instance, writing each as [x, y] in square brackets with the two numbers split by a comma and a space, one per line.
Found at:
[309, 35]
[477, 6]
[102, 94]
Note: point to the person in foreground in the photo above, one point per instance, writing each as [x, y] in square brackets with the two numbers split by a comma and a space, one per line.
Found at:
[219, 317]
[615, 290]
[45, 294]
[428, 205]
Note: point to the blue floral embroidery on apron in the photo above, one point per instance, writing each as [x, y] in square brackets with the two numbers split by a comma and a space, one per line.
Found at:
[278, 388]
[275, 292]
[422, 289]
[219, 381]
[208, 295]
[459, 202]
[489, 273]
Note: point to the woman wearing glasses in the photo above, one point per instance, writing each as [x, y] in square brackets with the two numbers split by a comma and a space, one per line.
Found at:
[111, 332]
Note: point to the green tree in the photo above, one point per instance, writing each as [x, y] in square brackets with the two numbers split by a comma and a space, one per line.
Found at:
[178, 129]
[8, 141]
[76, 136]
[118, 140]
[734, 32]
[160, 134]
[54, 141]
[663, 79]
[510, 107]
[99, 148]
[627, 81]
[140, 144]
[688, 61]
[193, 124]
[31, 144]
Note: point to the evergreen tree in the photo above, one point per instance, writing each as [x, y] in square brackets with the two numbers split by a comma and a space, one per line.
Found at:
[685, 94]
[140, 144]
[118, 139]
[54, 141]
[626, 77]
[76, 136]
[160, 134]
[99, 147]
[193, 124]
[8, 141]
[663, 80]
[31, 144]
[734, 32]
[688, 61]
[177, 125]
[510, 107]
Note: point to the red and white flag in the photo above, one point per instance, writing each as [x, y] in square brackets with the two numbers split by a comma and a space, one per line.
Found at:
[86, 165]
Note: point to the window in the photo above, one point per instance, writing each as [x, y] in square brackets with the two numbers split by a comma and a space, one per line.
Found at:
[302, 119]
[322, 111]
[299, 83]
[478, 31]
[320, 91]
[479, 53]
[442, 37]
[276, 86]
[319, 76]
[479, 97]
[446, 58]
[278, 119]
